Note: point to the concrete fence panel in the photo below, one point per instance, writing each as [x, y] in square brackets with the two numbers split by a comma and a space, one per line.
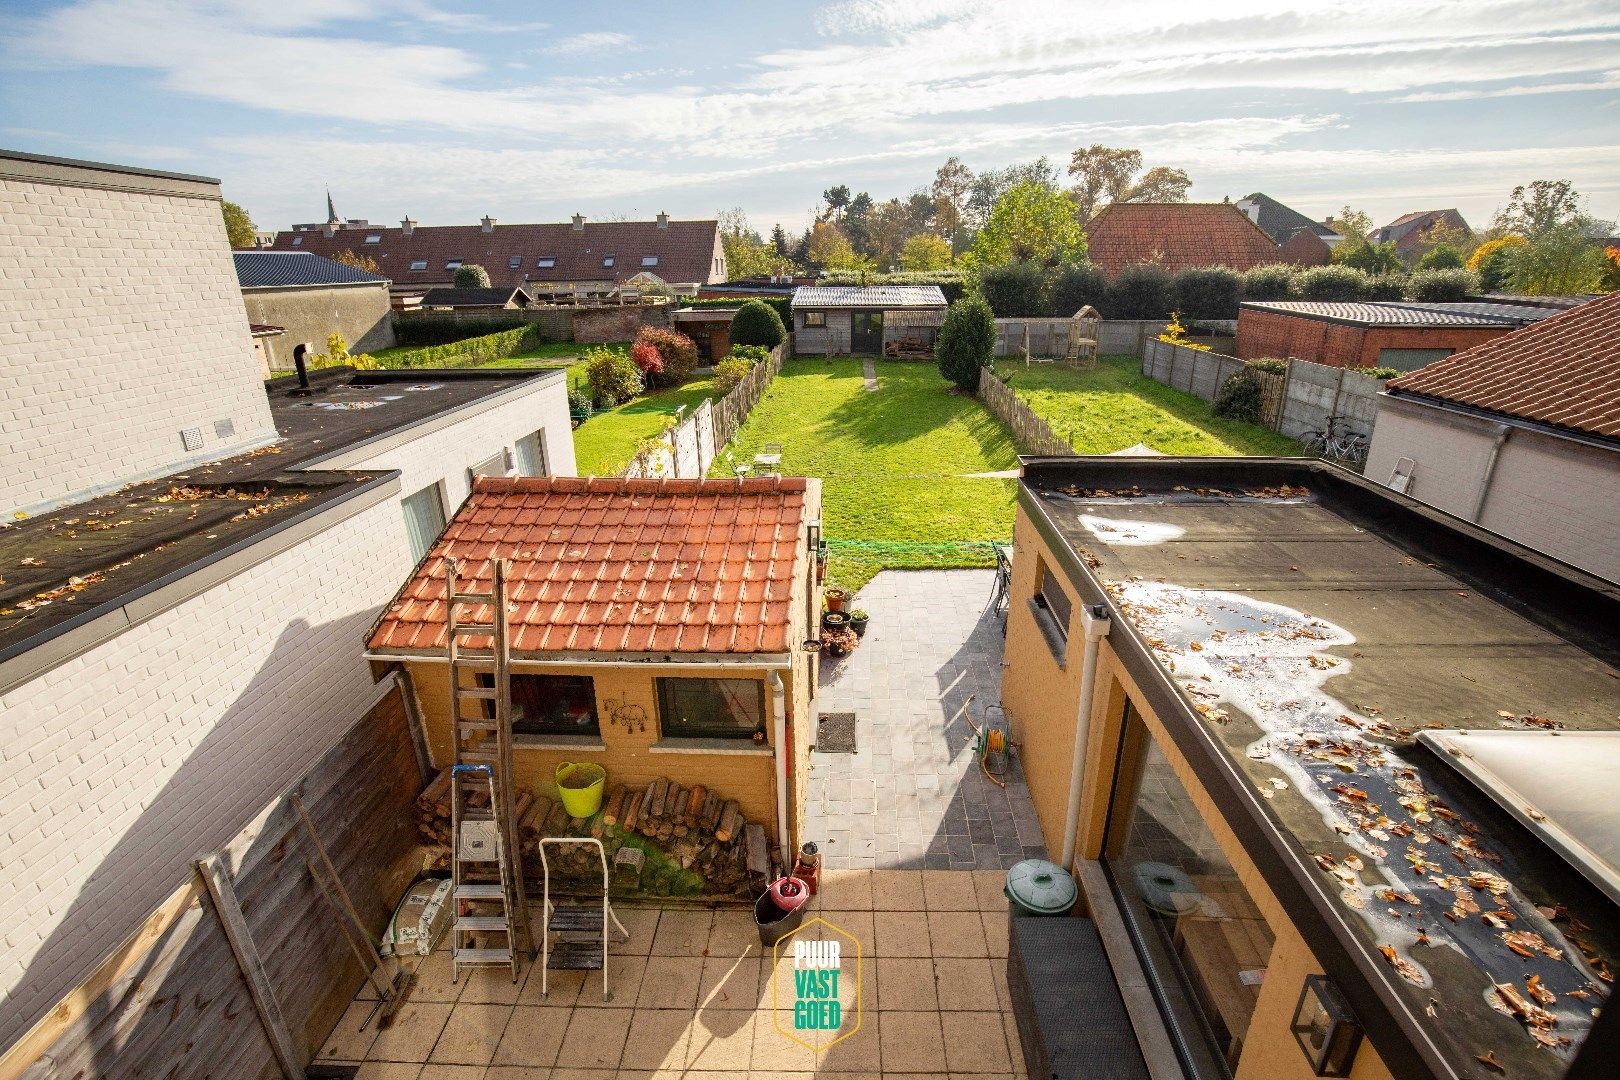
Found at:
[1050, 337]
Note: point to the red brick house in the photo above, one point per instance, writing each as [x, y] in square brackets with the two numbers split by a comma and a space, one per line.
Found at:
[1177, 236]
[1408, 231]
[1360, 334]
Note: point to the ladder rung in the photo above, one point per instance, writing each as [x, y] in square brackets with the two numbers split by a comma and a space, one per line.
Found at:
[481, 922]
[473, 628]
[466, 891]
[483, 956]
[476, 757]
[576, 920]
[575, 956]
[465, 724]
[482, 693]
[470, 597]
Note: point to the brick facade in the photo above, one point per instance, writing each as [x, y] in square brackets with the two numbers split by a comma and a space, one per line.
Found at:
[98, 379]
[1271, 333]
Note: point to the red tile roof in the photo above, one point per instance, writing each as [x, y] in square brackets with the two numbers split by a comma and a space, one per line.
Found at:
[613, 565]
[1563, 371]
[1177, 236]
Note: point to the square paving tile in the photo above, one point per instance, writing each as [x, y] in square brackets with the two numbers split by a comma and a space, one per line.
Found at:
[731, 983]
[389, 1070]
[682, 933]
[721, 1041]
[595, 1039]
[347, 1042]
[975, 1042]
[906, 983]
[411, 1036]
[898, 890]
[642, 925]
[966, 983]
[671, 982]
[912, 1042]
[957, 933]
[901, 933]
[471, 1035]
[949, 890]
[658, 1040]
[845, 890]
[532, 1037]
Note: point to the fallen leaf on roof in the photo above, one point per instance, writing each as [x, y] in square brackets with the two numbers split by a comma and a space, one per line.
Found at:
[1540, 992]
[1488, 1059]
[1408, 970]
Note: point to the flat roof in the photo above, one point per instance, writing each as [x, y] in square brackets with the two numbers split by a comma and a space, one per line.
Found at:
[1296, 627]
[69, 567]
[104, 166]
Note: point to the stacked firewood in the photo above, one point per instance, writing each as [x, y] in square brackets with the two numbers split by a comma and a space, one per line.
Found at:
[433, 809]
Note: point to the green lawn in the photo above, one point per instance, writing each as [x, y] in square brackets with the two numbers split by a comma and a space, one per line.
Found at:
[604, 444]
[893, 464]
[1116, 406]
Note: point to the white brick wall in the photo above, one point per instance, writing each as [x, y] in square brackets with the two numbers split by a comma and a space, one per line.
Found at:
[121, 323]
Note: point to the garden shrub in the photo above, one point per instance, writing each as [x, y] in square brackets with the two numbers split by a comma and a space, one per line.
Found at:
[1143, 291]
[1272, 281]
[1240, 396]
[729, 372]
[1271, 365]
[1387, 287]
[472, 351]
[749, 354]
[966, 340]
[612, 376]
[470, 276]
[1492, 261]
[1333, 283]
[1015, 291]
[1075, 286]
[1176, 334]
[417, 330]
[757, 323]
[579, 403]
[1208, 292]
[677, 355]
[1441, 257]
[1442, 286]
[1378, 372]
[648, 360]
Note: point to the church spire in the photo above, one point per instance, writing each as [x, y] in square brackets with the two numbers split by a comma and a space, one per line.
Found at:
[331, 210]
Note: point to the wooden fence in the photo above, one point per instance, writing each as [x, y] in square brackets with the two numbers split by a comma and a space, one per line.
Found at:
[1031, 434]
[687, 448]
[174, 1001]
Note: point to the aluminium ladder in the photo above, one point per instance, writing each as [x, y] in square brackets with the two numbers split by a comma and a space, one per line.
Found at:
[578, 953]
[485, 857]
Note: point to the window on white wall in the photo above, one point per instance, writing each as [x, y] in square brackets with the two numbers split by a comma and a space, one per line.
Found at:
[424, 519]
[497, 464]
[531, 454]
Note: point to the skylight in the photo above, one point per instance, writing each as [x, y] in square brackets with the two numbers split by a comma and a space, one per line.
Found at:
[374, 238]
[298, 241]
[453, 264]
[418, 264]
[607, 260]
[514, 262]
[545, 263]
[649, 260]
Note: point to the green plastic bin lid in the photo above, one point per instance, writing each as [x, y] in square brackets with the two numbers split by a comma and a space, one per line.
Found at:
[1041, 886]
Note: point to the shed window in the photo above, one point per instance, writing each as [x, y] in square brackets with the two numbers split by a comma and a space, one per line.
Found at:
[607, 260]
[453, 264]
[514, 262]
[424, 519]
[1052, 597]
[531, 454]
[545, 262]
[298, 241]
[418, 264]
[815, 318]
[711, 708]
[374, 238]
[649, 260]
[549, 704]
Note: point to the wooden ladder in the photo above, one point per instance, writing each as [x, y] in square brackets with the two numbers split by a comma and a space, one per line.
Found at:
[485, 856]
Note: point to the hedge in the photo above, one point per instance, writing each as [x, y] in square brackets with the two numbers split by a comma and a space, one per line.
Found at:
[442, 329]
[472, 351]
[782, 304]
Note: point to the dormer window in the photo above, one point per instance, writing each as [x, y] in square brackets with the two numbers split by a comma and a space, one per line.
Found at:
[374, 238]
[453, 264]
[514, 262]
[418, 264]
[545, 262]
[649, 260]
[607, 260]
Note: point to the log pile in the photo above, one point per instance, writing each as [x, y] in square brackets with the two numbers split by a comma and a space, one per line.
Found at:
[683, 831]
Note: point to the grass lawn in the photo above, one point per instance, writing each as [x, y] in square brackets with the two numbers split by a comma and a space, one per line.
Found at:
[1117, 406]
[606, 442]
[892, 463]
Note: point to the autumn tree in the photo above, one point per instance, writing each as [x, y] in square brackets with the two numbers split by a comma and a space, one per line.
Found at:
[359, 262]
[925, 251]
[1031, 222]
[1540, 206]
[746, 254]
[952, 183]
[1560, 261]
[238, 226]
[988, 187]
[830, 249]
[1105, 175]
[837, 199]
[1353, 225]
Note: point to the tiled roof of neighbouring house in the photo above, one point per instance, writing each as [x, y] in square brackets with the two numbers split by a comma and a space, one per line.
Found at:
[617, 566]
[290, 269]
[1404, 313]
[453, 298]
[1280, 222]
[868, 296]
[1414, 225]
[548, 252]
[1177, 236]
[1563, 371]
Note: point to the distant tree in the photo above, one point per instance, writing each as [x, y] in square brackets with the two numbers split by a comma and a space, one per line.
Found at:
[1366, 256]
[1560, 261]
[830, 249]
[1441, 257]
[1445, 235]
[360, 262]
[857, 223]
[470, 276]
[757, 323]
[952, 183]
[779, 241]
[888, 226]
[966, 341]
[1540, 206]
[1105, 175]
[238, 226]
[836, 198]
[925, 251]
[746, 254]
[1353, 225]
[988, 187]
[1030, 223]
[1492, 261]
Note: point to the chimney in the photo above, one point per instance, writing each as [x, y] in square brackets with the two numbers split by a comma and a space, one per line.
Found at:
[407, 227]
[329, 230]
[488, 223]
[579, 222]
[663, 220]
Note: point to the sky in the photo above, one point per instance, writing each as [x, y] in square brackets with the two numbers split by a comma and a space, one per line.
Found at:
[448, 111]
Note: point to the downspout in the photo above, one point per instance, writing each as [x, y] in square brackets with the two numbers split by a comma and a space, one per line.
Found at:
[1094, 618]
[1502, 433]
[784, 758]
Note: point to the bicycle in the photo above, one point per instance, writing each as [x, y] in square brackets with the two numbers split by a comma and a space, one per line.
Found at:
[1336, 443]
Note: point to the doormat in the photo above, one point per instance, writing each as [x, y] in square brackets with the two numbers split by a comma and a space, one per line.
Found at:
[835, 733]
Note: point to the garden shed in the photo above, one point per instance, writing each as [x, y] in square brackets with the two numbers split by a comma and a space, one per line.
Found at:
[839, 320]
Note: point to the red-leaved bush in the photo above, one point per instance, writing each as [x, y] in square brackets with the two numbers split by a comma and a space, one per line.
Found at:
[677, 353]
[647, 357]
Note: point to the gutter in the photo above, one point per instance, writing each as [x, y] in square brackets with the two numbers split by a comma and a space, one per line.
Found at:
[783, 764]
[771, 662]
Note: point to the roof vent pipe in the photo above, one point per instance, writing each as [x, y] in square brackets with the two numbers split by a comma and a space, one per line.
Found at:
[407, 226]
[301, 362]
[1094, 618]
[488, 224]
[579, 222]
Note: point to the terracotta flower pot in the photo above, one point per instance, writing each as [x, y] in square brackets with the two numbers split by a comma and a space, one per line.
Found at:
[835, 599]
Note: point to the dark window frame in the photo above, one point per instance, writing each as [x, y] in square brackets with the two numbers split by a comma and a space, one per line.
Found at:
[668, 728]
[525, 683]
[815, 318]
[1053, 619]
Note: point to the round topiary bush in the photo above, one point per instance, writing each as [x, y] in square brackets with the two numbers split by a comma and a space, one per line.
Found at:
[471, 276]
[1143, 291]
[1333, 283]
[1387, 287]
[1442, 286]
[966, 340]
[757, 323]
[1273, 281]
[1240, 397]
[1208, 292]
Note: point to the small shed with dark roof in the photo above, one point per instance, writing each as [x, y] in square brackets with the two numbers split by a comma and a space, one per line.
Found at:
[835, 320]
[310, 298]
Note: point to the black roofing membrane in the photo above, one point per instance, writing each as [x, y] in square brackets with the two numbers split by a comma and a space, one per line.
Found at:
[1313, 643]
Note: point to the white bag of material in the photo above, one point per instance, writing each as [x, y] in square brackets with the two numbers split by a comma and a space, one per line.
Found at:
[420, 920]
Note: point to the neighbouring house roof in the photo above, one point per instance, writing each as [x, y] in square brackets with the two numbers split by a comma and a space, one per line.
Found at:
[295, 269]
[1408, 229]
[1278, 221]
[609, 565]
[458, 298]
[685, 250]
[1396, 313]
[868, 296]
[1177, 236]
[265, 329]
[1563, 371]
[1306, 248]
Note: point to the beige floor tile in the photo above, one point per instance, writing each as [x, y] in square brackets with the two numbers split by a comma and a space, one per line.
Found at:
[595, 1039]
[966, 984]
[671, 982]
[995, 931]
[533, 1036]
[777, 1052]
[906, 983]
[897, 890]
[721, 1040]
[1014, 1046]
[642, 923]
[975, 1042]
[411, 1036]
[989, 886]
[658, 1040]
[998, 973]
[562, 987]
[521, 1072]
[388, 1070]
[493, 986]
[347, 1042]
[857, 1053]
[957, 933]
[623, 980]
[584, 1074]
[682, 933]
[846, 924]
[912, 1042]
[949, 890]
[981, 1076]
[733, 934]
[845, 890]
[730, 983]
[451, 1072]
[472, 1034]
[433, 979]
[901, 933]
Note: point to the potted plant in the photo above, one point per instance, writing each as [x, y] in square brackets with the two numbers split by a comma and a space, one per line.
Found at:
[834, 620]
[857, 622]
[835, 598]
[839, 642]
[812, 645]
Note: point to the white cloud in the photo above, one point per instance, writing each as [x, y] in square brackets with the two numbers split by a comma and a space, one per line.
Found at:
[594, 41]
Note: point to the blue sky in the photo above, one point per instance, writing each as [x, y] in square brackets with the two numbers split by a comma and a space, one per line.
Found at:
[530, 112]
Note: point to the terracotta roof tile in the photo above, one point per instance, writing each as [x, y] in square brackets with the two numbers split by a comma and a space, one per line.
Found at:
[609, 565]
[1177, 236]
[1563, 371]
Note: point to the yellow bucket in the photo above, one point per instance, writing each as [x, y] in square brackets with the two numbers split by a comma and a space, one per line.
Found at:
[580, 784]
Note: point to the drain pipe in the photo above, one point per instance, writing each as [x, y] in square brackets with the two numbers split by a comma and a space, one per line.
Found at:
[784, 759]
[1094, 618]
[1502, 433]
